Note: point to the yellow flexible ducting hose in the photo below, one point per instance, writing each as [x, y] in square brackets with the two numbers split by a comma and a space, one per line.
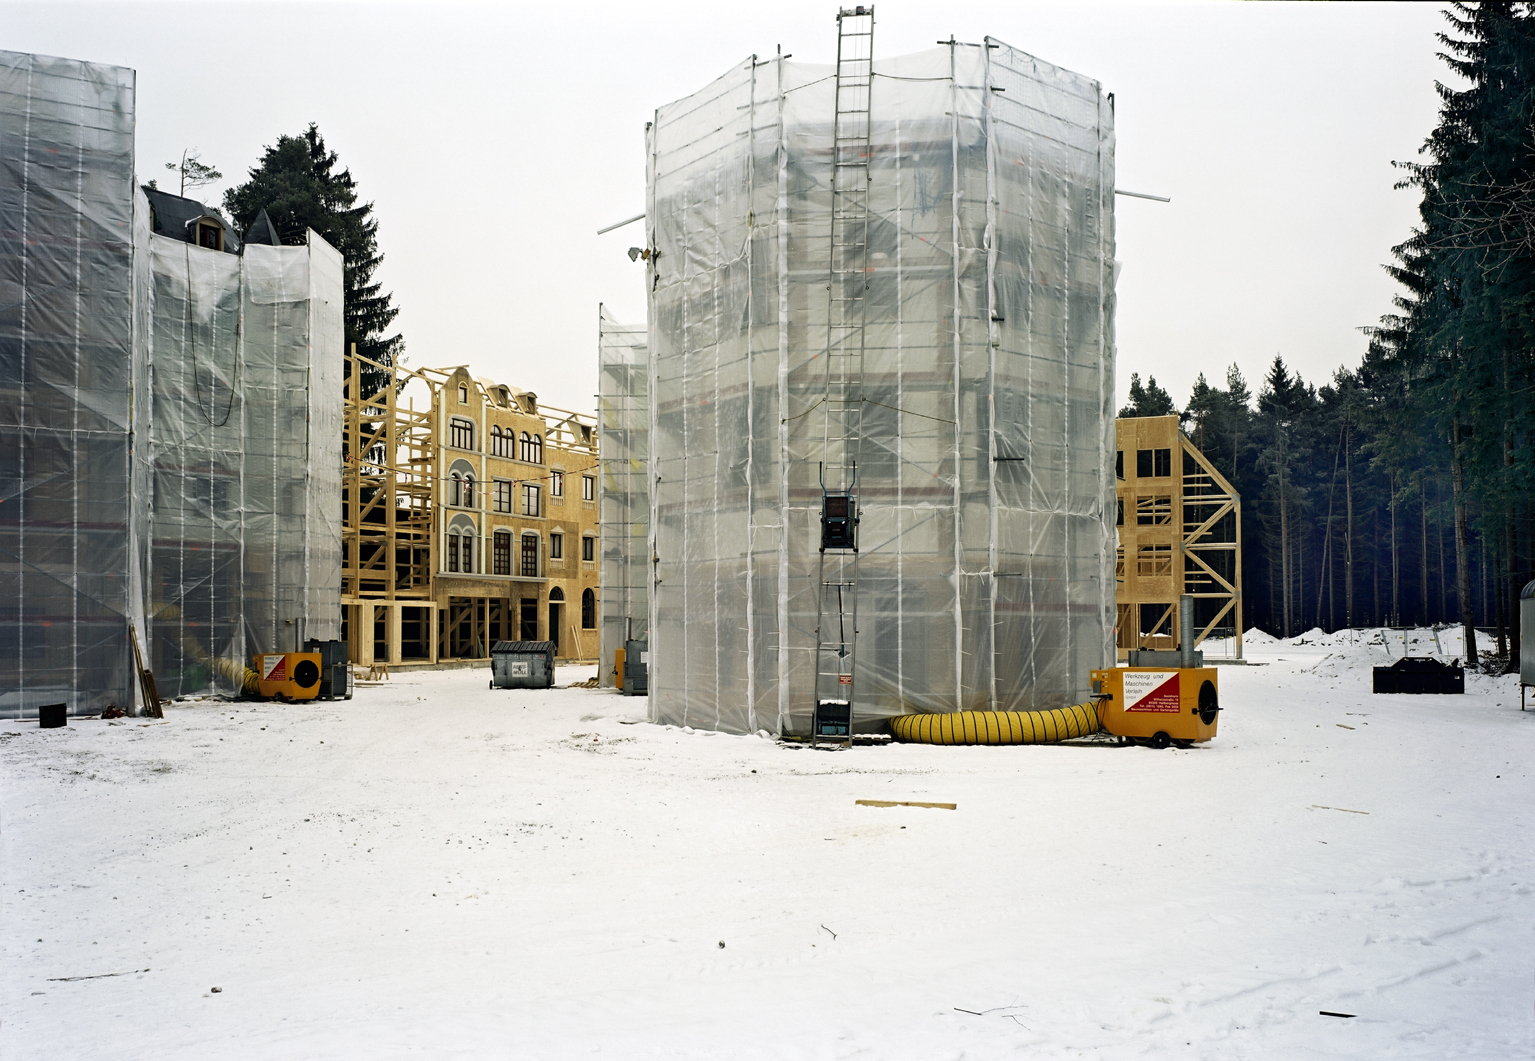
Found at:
[231, 670]
[998, 727]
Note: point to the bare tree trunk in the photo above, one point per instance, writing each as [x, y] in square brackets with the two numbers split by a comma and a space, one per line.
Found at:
[1462, 549]
[1511, 536]
[1423, 551]
[1375, 616]
[1444, 604]
[1396, 567]
[1499, 578]
[1486, 614]
[1284, 550]
[1348, 494]
[1323, 571]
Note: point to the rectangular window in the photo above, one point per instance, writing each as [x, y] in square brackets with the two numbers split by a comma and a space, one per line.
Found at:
[1153, 463]
[529, 499]
[556, 484]
[1119, 464]
[556, 546]
[468, 543]
[503, 555]
[588, 548]
[460, 434]
[1119, 512]
[1154, 561]
[452, 552]
[588, 488]
[529, 556]
[1154, 511]
[503, 497]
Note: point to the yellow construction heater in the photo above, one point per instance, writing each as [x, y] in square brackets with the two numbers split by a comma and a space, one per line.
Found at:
[1157, 706]
[287, 675]
[1161, 698]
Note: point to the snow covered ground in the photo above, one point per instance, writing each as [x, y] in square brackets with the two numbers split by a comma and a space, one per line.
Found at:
[438, 870]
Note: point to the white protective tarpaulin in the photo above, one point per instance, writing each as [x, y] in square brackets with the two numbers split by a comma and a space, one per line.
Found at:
[985, 479]
[170, 419]
[624, 425]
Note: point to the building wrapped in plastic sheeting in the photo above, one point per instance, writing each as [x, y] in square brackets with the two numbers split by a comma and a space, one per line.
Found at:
[170, 423]
[245, 433]
[624, 503]
[985, 452]
[72, 531]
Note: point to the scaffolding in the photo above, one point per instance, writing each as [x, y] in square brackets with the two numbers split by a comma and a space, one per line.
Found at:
[624, 502]
[983, 394]
[1179, 527]
[388, 504]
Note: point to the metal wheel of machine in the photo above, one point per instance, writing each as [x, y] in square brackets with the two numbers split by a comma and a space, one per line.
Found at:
[1160, 739]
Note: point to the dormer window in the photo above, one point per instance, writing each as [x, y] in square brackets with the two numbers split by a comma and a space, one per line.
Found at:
[209, 234]
[463, 394]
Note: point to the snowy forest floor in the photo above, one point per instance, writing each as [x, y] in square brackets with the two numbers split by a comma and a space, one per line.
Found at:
[438, 870]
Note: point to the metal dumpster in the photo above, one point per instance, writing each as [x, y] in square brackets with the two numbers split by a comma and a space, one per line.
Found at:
[522, 665]
[1420, 674]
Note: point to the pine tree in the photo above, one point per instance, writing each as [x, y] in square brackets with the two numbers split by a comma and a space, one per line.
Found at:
[1150, 400]
[298, 185]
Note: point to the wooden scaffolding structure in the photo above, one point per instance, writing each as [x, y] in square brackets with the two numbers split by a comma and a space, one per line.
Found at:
[1180, 532]
[389, 515]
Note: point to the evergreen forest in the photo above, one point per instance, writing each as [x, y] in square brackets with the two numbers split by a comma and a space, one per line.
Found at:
[1400, 492]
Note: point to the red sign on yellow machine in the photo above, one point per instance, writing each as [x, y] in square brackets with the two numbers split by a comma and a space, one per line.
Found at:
[1155, 692]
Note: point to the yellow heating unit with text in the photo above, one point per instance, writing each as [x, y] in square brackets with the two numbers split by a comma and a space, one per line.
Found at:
[1158, 706]
[287, 675]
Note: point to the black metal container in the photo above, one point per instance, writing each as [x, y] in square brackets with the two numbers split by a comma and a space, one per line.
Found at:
[1420, 674]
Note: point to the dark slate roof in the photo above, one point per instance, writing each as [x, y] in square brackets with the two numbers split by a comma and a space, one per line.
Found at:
[263, 231]
[171, 214]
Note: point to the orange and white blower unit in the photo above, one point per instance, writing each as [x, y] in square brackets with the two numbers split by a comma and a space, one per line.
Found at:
[1158, 706]
[287, 675]
[1162, 698]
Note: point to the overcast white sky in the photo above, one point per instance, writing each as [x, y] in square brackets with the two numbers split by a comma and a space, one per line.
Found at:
[495, 140]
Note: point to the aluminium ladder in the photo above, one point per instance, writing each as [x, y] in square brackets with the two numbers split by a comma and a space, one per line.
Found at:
[836, 625]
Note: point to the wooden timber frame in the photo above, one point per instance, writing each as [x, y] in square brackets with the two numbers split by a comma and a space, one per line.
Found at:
[1180, 532]
[389, 515]
[410, 594]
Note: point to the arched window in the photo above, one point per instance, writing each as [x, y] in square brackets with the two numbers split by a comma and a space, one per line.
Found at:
[468, 491]
[537, 450]
[495, 440]
[588, 610]
[455, 490]
[525, 451]
[452, 552]
[556, 594]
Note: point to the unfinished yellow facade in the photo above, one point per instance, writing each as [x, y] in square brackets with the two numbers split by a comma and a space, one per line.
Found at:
[1179, 524]
[470, 518]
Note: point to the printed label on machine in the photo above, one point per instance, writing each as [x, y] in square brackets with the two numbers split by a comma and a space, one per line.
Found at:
[1152, 691]
[519, 668]
[274, 668]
